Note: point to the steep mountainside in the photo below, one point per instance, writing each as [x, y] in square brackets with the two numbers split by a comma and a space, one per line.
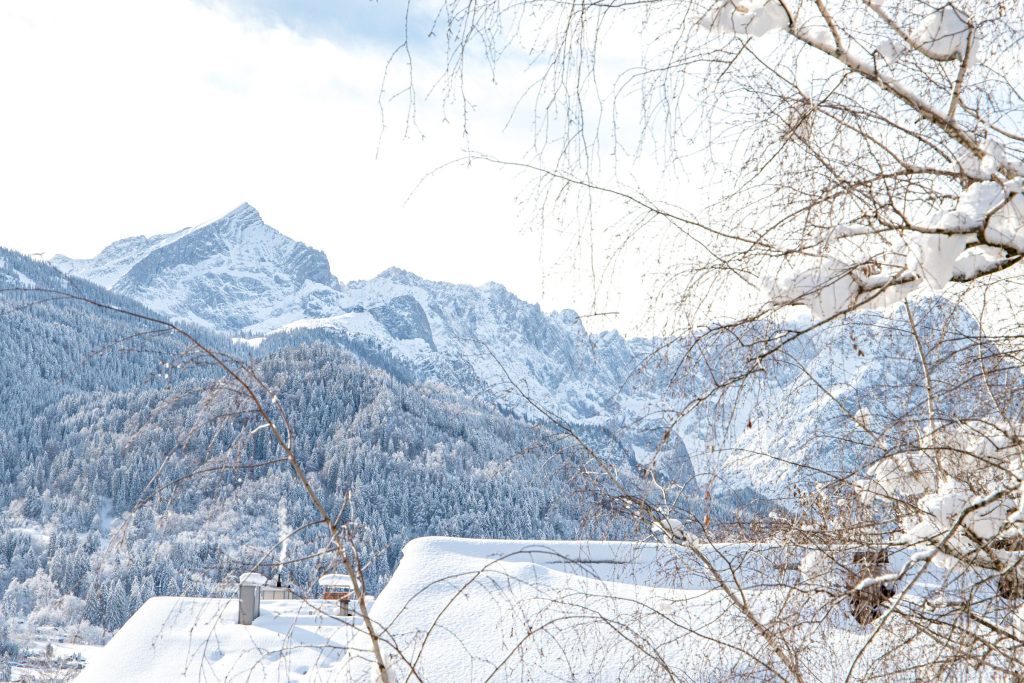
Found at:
[791, 421]
[229, 275]
[836, 397]
[239, 276]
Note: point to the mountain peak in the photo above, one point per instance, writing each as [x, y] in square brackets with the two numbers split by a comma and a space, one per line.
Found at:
[232, 225]
[231, 273]
[243, 213]
[401, 276]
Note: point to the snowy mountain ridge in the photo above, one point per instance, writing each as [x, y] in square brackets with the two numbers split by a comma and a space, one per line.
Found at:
[230, 274]
[239, 276]
[777, 427]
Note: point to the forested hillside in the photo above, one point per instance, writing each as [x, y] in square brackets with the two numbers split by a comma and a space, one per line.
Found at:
[123, 478]
[128, 470]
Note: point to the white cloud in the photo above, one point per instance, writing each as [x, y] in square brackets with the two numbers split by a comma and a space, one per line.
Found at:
[123, 117]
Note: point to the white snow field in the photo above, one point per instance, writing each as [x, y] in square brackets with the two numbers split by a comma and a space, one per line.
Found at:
[487, 610]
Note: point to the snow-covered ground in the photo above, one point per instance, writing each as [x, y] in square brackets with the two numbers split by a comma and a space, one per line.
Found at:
[199, 639]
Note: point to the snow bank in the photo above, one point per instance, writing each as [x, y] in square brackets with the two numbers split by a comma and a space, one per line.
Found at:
[464, 609]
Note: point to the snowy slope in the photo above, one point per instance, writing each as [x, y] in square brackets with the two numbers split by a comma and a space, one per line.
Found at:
[11, 276]
[485, 336]
[230, 274]
[825, 404]
[239, 276]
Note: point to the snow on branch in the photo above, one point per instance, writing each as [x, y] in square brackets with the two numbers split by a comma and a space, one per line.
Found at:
[984, 232]
[943, 35]
[965, 491]
[752, 18]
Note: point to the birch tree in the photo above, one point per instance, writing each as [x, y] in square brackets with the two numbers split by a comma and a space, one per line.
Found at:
[856, 155]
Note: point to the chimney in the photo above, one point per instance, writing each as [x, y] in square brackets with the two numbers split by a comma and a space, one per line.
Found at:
[249, 585]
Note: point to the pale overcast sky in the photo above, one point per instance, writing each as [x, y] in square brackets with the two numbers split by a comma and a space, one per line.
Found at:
[123, 117]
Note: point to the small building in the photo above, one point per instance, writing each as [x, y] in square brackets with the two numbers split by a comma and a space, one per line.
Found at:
[198, 640]
[338, 587]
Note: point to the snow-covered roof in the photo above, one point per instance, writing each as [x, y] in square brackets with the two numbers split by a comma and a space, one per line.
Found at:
[252, 579]
[463, 609]
[472, 610]
[199, 639]
[341, 580]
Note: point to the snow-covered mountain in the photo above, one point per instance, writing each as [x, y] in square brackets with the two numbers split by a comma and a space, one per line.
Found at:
[232, 274]
[794, 416]
[98, 415]
[239, 276]
[94, 423]
[836, 398]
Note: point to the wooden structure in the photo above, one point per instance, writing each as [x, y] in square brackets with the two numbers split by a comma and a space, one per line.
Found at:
[868, 603]
[338, 587]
